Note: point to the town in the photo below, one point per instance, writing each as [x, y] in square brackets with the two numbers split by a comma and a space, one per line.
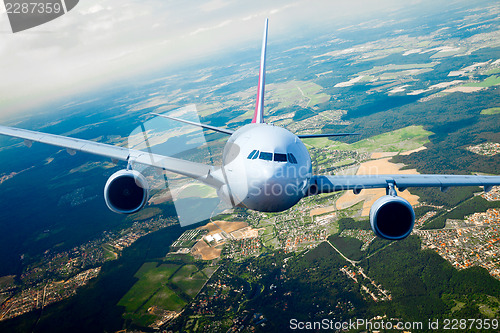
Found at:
[58, 275]
[473, 241]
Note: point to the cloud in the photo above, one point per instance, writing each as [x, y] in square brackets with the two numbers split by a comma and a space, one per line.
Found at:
[95, 44]
[204, 29]
[213, 5]
[94, 9]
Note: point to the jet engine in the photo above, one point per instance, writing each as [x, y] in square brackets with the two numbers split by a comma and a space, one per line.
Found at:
[392, 217]
[126, 191]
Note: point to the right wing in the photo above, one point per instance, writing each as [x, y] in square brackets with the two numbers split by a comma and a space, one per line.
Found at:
[199, 171]
[327, 184]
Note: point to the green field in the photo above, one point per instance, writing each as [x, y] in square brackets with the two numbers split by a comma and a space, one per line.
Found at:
[152, 280]
[166, 298]
[400, 140]
[458, 306]
[395, 67]
[493, 80]
[185, 271]
[394, 72]
[209, 271]
[268, 236]
[493, 71]
[295, 92]
[191, 286]
[189, 279]
[166, 286]
[109, 252]
[342, 163]
[198, 191]
[491, 111]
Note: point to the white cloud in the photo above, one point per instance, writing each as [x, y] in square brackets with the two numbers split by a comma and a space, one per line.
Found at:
[205, 29]
[93, 10]
[96, 43]
[213, 5]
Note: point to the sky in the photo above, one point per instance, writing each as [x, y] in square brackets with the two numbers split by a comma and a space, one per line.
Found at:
[100, 42]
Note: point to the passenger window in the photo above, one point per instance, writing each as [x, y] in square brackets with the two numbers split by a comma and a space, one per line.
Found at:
[266, 156]
[279, 157]
[291, 158]
[254, 152]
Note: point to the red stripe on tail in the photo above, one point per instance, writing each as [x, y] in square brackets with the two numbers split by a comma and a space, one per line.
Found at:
[258, 116]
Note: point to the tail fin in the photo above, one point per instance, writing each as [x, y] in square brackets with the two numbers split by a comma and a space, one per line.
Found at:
[258, 116]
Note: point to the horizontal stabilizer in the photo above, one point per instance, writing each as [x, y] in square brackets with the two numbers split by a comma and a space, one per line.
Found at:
[324, 135]
[213, 128]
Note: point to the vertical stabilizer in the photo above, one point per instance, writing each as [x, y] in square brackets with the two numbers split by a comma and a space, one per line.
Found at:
[258, 116]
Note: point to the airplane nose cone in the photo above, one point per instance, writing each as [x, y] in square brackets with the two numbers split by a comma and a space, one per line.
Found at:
[263, 174]
[273, 191]
[267, 179]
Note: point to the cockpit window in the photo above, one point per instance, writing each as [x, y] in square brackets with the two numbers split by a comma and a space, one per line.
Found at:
[279, 157]
[253, 154]
[276, 157]
[266, 156]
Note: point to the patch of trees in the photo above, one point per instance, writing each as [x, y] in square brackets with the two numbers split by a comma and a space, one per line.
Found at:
[349, 246]
[452, 198]
[418, 279]
[350, 223]
[300, 113]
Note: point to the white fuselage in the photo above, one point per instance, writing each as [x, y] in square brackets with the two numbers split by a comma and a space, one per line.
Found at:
[266, 168]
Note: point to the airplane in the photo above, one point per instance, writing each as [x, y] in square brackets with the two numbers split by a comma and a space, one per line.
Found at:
[264, 168]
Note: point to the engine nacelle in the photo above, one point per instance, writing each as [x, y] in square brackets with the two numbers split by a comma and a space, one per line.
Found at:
[126, 191]
[392, 217]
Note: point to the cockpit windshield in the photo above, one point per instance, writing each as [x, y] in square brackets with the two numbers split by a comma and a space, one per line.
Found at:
[253, 154]
[276, 157]
[266, 156]
[279, 157]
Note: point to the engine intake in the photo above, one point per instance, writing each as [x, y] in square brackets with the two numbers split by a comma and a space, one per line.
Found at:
[392, 217]
[126, 191]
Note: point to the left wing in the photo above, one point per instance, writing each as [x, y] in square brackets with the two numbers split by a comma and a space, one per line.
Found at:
[199, 171]
[327, 184]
